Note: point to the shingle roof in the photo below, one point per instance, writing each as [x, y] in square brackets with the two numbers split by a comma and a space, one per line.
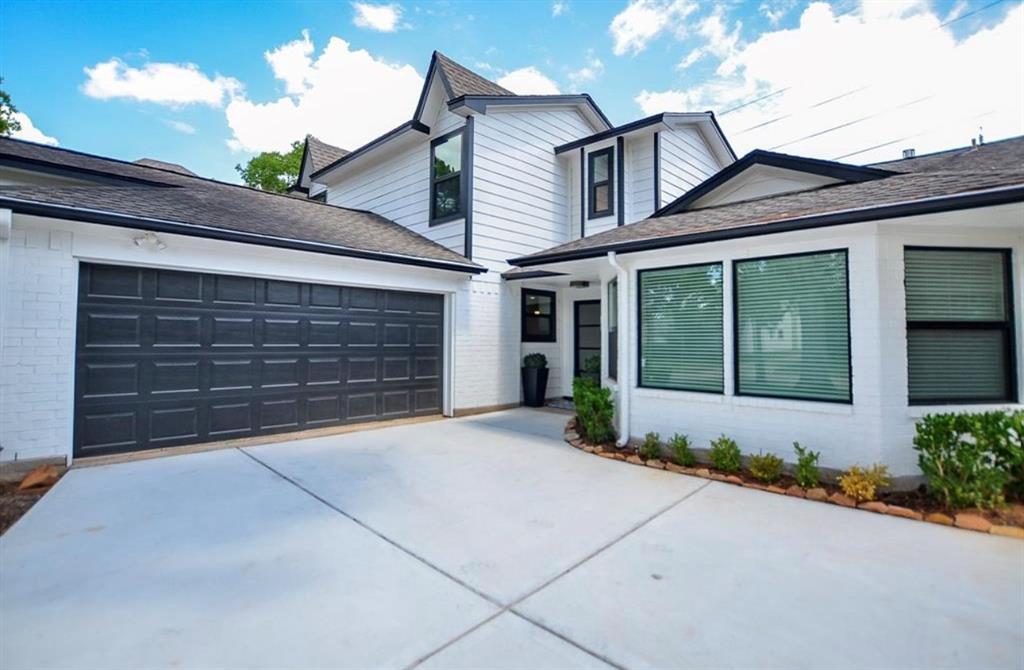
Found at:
[462, 81]
[195, 203]
[164, 165]
[986, 168]
[321, 153]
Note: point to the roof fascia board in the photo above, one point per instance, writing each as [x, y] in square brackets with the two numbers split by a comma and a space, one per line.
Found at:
[840, 171]
[611, 133]
[480, 103]
[947, 203]
[432, 70]
[101, 217]
[536, 274]
[372, 145]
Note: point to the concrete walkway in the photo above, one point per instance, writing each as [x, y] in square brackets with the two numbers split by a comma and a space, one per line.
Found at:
[477, 543]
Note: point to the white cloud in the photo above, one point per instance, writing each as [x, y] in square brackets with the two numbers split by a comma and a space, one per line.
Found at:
[828, 76]
[718, 40]
[180, 126]
[643, 20]
[174, 84]
[559, 7]
[344, 96]
[593, 69]
[30, 133]
[775, 10]
[382, 18]
[528, 81]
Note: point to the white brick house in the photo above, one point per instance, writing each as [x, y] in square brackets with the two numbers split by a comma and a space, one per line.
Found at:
[141, 307]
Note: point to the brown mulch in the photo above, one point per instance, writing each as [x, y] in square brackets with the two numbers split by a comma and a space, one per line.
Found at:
[918, 499]
[14, 503]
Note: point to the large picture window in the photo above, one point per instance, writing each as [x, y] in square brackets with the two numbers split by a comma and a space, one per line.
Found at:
[601, 180]
[792, 327]
[446, 187]
[681, 328]
[538, 316]
[959, 332]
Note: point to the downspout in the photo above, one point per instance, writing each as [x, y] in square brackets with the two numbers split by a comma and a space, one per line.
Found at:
[625, 365]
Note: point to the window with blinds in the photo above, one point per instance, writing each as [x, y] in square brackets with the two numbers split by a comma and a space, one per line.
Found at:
[959, 334]
[681, 328]
[792, 327]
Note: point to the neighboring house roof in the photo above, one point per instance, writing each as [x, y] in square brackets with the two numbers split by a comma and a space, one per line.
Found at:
[164, 201]
[991, 174]
[322, 154]
[164, 165]
[841, 171]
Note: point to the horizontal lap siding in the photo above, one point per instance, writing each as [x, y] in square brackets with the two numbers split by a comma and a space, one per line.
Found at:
[639, 178]
[685, 162]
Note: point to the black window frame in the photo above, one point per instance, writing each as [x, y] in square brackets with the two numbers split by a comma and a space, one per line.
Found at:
[613, 329]
[640, 327]
[1007, 328]
[593, 213]
[736, 329]
[551, 295]
[460, 175]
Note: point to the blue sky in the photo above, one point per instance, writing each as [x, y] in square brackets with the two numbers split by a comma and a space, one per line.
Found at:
[207, 83]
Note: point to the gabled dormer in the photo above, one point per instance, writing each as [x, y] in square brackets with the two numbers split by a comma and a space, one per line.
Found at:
[761, 174]
[316, 155]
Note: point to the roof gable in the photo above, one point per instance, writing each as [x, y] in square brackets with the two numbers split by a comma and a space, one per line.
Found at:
[762, 174]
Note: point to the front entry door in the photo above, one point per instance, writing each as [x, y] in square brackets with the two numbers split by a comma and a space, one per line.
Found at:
[587, 338]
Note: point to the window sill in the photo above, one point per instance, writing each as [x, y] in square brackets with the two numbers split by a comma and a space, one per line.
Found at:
[809, 406]
[447, 219]
[673, 394]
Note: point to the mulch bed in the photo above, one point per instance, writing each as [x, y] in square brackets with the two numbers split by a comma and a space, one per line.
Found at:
[916, 504]
[14, 503]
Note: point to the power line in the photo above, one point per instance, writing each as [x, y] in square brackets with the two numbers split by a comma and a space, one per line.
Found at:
[851, 123]
[759, 99]
[971, 13]
[813, 106]
[907, 137]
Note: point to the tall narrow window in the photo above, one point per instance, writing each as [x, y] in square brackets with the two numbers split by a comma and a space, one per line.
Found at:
[613, 329]
[601, 182]
[959, 333]
[792, 327]
[538, 316]
[681, 328]
[446, 187]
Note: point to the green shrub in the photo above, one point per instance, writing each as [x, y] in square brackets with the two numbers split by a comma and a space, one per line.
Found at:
[969, 460]
[806, 471]
[535, 361]
[725, 454]
[650, 447]
[1012, 456]
[862, 484]
[766, 468]
[681, 452]
[594, 410]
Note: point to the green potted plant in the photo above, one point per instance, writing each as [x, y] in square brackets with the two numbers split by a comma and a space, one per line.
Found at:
[535, 379]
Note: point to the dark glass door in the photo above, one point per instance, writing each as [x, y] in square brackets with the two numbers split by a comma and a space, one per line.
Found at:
[587, 338]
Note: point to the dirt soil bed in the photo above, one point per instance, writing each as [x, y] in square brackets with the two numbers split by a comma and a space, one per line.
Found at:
[14, 503]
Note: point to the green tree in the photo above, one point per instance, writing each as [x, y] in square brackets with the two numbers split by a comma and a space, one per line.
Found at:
[8, 124]
[273, 170]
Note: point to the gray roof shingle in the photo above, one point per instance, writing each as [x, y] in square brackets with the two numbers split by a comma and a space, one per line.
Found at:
[989, 166]
[462, 81]
[321, 153]
[164, 165]
[198, 202]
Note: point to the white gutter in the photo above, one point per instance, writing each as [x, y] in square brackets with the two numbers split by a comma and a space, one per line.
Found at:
[625, 367]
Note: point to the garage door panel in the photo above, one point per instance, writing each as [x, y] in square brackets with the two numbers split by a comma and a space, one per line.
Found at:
[167, 357]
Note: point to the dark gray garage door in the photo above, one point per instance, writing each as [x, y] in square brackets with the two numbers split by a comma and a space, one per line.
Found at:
[167, 358]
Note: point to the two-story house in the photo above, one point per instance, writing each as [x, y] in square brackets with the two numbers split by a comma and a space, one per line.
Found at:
[772, 298]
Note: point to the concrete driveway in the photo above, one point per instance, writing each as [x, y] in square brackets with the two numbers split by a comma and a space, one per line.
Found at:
[477, 543]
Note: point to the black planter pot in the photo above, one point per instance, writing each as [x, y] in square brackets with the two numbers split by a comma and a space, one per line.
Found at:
[535, 386]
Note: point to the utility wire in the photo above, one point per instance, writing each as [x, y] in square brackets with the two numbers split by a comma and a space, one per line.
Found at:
[851, 123]
[971, 13]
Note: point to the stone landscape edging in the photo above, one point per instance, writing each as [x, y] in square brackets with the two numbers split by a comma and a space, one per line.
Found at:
[963, 521]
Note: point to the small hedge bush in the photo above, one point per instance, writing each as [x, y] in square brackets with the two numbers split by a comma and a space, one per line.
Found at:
[862, 484]
[766, 468]
[536, 360]
[681, 452]
[594, 410]
[650, 448]
[725, 454]
[972, 460]
[806, 471]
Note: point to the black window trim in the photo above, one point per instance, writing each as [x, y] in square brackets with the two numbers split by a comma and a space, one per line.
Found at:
[1007, 327]
[736, 328]
[461, 176]
[522, 315]
[593, 213]
[613, 329]
[640, 328]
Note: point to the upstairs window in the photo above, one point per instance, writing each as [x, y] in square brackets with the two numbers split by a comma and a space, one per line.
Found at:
[446, 188]
[601, 183]
[959, 332]
[538, 316]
